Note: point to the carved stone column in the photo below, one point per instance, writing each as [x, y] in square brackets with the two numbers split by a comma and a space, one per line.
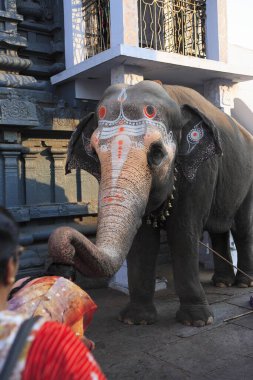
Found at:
[59, 157]
[11, 190]
[30, 174]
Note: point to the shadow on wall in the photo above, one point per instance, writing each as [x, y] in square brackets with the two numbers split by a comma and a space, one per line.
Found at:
[39, 193]
[42, 207]
[243, 114]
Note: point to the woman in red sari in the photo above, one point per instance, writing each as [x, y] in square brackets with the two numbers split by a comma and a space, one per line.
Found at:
[54, 298]
[51, 351]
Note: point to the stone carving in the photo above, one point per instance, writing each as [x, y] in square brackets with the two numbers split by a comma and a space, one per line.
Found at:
[14, 63]
[47, 10]
[24, 81]
[11, 6]
[14, 111]
[64, 118]
[31, 10]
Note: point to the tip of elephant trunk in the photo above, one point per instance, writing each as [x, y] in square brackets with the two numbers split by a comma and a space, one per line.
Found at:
[68, 246]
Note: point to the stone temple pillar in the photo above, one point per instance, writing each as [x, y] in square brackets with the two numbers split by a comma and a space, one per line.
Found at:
[10, 154]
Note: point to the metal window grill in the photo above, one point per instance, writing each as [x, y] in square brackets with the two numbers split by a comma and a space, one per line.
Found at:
[173, 25]
[96, 14]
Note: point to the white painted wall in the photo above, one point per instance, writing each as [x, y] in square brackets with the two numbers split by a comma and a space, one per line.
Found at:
[240, 51]
[75, 51]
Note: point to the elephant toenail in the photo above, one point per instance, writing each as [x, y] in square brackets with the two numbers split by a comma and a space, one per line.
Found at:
[242, 285]
[143, 322]
[198, 323]
[128, 321]
[209, 321]
[251, 283]
[186, 323]
[220, 285]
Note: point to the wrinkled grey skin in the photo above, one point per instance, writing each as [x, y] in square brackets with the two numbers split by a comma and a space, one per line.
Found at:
[214, 192]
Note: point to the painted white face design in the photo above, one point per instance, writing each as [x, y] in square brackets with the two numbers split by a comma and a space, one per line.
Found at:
[122, 134]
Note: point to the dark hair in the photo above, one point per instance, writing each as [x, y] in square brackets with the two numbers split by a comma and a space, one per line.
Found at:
[62, 270]
[9, 237]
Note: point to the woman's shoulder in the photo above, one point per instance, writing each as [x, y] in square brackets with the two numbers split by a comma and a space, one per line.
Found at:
[64, 354]
[10, 323]
[8, 316]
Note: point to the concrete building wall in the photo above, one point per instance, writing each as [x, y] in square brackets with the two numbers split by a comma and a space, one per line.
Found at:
[240, 51]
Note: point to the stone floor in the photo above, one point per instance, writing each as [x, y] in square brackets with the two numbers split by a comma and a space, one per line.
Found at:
[169, 350]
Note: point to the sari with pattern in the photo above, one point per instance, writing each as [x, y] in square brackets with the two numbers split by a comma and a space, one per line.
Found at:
[51, 352]
[57, 299]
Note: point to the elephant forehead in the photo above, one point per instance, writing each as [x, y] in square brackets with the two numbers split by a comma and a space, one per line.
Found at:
[139, 134]
[129, 130]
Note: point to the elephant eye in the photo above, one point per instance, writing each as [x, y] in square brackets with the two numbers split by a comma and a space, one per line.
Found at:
[156, 154]
[101, 112]
[149, 111]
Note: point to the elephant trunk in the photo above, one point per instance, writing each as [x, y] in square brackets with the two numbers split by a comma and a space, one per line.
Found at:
[120, 211]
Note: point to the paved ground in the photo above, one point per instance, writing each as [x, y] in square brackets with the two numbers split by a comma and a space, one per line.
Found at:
[169, 350]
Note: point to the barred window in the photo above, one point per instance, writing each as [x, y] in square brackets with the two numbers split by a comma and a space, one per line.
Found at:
[173, 26]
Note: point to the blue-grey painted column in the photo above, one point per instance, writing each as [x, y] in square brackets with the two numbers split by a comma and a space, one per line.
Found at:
[11, 154]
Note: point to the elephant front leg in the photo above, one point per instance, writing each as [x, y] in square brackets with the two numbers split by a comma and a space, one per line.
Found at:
[194, 309]
[141, 263]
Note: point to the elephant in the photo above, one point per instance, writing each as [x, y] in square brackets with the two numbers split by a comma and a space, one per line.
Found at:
[165, 157]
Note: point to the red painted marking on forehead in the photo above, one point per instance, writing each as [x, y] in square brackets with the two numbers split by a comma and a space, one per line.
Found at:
[195, 134]
[121, 129]
[120, 148]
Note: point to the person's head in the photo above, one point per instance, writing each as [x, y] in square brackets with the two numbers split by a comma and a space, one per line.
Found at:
[9, 249]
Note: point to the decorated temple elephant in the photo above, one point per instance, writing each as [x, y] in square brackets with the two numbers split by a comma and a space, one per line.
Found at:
[164, 157]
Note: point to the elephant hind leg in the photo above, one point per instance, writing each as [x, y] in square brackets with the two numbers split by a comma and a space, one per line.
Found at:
[223, 272]
[242, 232]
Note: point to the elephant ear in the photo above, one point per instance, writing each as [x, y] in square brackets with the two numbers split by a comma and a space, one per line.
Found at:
[199, 141]
[80, 154]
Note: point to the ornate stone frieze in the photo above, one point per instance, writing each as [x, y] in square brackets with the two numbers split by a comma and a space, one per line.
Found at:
[11, 38]
[31, 10]
[23, 81]
[18, 112]
[13, 63]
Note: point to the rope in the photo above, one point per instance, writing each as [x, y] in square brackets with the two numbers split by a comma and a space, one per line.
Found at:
[227, 261]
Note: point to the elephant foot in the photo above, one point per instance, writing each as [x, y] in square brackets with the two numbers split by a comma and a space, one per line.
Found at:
[138, 314]
[194, 315]
[242, 281]
[222, 280]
